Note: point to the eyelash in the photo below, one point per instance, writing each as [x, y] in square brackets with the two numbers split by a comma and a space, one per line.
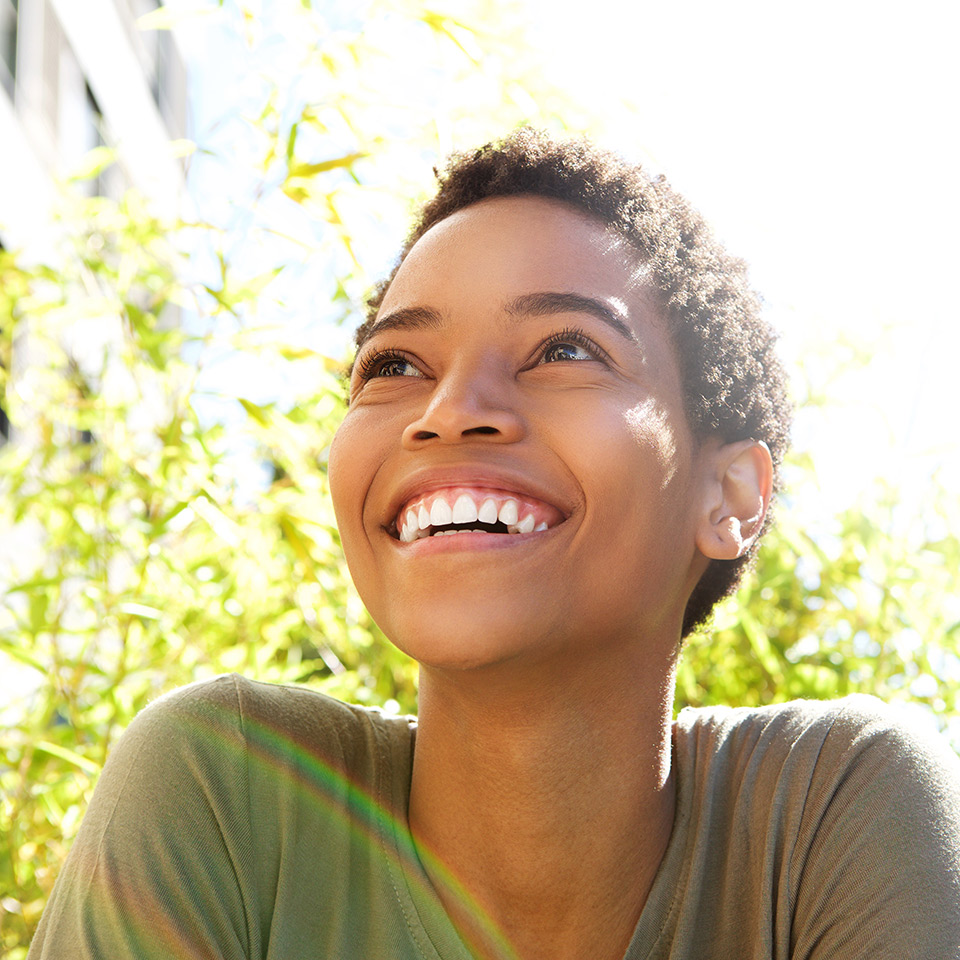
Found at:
[572, 335]
[367, 366]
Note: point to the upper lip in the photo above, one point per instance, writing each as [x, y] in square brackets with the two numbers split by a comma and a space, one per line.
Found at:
[427, 479]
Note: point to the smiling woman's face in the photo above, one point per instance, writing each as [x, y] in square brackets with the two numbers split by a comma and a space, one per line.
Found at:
[519, 388]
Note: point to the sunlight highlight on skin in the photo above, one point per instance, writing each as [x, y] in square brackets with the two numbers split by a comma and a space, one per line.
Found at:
[650, 424]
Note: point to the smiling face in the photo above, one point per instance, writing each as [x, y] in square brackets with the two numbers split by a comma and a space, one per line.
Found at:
[515, 476]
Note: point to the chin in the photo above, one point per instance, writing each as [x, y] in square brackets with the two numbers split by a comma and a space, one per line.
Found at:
[464, 639]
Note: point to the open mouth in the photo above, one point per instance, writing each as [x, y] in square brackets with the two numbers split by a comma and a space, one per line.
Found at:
[462, 510]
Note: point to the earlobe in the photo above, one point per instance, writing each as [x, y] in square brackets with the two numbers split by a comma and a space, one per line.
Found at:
[737, 493]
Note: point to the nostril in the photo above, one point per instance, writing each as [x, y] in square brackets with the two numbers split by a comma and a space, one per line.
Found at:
[471, 431]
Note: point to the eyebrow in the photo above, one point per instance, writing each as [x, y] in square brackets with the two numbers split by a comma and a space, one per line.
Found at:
[543, 304]
[528, 305]
[407, 318]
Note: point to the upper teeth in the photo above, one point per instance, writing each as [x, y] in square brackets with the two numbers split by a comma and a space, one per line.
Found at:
[418, 520]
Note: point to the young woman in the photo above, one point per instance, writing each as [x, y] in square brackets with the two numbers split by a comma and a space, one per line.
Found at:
[564, 427]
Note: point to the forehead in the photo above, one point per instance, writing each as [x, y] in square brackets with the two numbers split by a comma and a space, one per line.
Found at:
[504, 247]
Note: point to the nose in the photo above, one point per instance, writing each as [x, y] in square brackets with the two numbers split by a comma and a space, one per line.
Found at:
[467, 404]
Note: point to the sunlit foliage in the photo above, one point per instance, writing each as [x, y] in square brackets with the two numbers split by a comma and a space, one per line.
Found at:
[851, 605]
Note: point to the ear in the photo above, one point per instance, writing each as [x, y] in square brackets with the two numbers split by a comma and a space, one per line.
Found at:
[737, 490]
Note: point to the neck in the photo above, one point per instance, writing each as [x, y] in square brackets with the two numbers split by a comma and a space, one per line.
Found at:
[549, 797]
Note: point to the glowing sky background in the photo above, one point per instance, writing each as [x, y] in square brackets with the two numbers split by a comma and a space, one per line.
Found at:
[820, 141]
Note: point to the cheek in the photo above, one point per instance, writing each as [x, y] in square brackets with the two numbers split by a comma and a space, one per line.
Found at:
[651, 427]
[348, 470]
[636, 471]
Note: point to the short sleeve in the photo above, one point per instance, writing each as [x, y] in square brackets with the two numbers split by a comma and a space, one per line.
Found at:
[878, 857]
[159, 866]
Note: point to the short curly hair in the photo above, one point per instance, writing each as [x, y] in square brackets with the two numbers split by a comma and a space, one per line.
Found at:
[734, 383]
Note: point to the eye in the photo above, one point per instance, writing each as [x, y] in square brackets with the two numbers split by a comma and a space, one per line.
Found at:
[386, 363]
[565, 351]
[569, 345]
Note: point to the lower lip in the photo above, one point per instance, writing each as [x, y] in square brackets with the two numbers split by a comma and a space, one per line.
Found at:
[468, 542]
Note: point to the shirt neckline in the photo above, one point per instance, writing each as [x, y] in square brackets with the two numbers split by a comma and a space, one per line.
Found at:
[427, 921]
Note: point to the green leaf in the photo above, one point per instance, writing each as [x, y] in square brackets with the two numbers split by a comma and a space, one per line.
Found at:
[140, 610]
[300, 543]
[303, 171]
[71, 756]
[257, 412]
[93, 164]
[292, 142]
[181, 148]
[15, 650]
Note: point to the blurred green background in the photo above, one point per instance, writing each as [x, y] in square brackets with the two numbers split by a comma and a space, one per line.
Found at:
[173, 384]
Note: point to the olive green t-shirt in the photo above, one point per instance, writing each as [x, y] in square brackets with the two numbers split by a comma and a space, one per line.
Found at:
[245, 821]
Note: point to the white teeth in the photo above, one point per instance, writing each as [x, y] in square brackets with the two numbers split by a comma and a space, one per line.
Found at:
[527, 524]
[509, 513]
[419, 522]
[464, 510]
[408, 529]
[440, 513]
